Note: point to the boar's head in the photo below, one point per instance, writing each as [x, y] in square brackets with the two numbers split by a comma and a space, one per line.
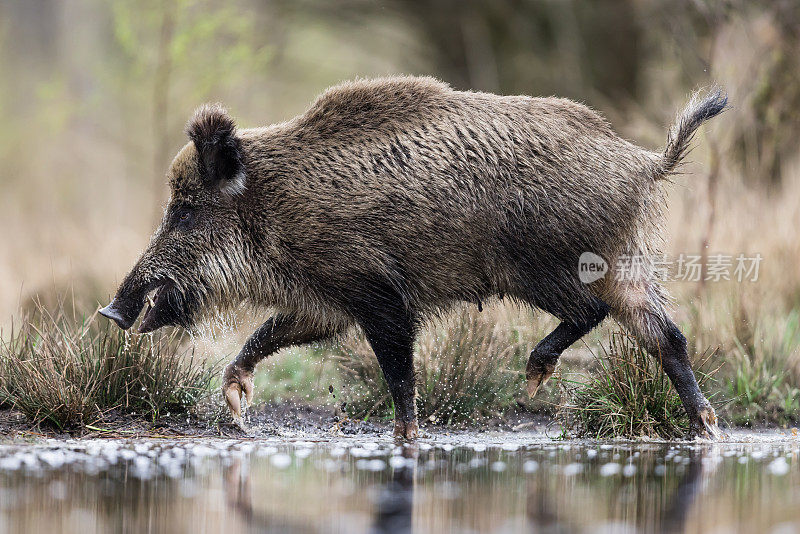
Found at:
[195, 256]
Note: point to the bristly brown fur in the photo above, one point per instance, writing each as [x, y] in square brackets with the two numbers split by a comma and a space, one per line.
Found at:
[392, 199]
[441, 195]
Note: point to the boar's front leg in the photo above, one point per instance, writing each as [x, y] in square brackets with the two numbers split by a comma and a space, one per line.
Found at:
[390, 331]
[278, 332]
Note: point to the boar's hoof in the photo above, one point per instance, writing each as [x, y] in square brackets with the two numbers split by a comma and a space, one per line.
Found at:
[405, 430]
[537, 376]
[237, 389]
[705, 427]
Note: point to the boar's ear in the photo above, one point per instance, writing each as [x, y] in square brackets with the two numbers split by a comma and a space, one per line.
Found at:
[213, 133]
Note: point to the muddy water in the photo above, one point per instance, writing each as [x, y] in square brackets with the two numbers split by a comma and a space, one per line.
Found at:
[466, 483]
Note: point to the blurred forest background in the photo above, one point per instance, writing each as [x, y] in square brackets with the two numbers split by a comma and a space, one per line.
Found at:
[94, 95]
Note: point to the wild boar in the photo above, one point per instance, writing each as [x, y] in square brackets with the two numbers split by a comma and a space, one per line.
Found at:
[391, 200]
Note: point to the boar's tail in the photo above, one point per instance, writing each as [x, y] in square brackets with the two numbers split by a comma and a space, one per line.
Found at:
[699, 109]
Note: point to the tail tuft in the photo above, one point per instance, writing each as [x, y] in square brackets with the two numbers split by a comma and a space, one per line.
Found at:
[697, 111]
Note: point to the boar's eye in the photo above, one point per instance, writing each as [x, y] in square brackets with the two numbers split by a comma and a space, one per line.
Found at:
[185, 218]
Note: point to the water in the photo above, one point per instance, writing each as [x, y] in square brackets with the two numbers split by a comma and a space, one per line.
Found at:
[462, 483]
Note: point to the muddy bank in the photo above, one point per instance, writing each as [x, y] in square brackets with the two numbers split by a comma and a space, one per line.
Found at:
[285, 419]
[297, 420]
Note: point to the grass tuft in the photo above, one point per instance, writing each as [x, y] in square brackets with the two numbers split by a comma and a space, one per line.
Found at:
[468, 367]
[762, 382]
[628, 396]
[67, 371]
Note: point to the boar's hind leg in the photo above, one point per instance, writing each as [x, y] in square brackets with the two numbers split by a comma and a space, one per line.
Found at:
[278, 332]
[390, 331]
[645, 318]
[543, 359]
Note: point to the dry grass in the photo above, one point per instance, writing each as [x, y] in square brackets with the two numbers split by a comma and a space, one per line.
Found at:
[469, 366]
[67, 370]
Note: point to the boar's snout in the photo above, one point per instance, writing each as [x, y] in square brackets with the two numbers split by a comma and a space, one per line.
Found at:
[124, 310]
[167, 305]
[124, 316]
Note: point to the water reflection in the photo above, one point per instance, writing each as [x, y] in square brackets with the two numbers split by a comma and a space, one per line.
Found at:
[464, 485]
[673, 518]
[238, 493]
[395, 503]
[541, 511]
[239, 499]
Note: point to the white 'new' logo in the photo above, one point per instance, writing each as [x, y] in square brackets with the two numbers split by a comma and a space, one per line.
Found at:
[591, 267]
